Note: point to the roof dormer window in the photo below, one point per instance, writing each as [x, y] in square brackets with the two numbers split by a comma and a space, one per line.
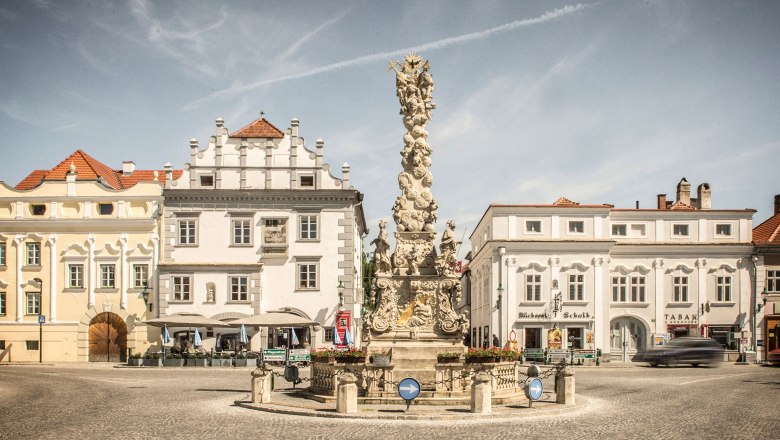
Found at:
[38, 209]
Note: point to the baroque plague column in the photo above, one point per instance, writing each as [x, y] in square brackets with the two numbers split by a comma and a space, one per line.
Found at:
[413, 290]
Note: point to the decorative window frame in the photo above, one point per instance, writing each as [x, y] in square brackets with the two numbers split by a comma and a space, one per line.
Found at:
[569, 224]
[317, 224]
[27, 247]
[242, 217]
[181, 217]
[172, 295]
[529, 232]
[732, 227]
[689, 230]
[308, 261]
[238, 276]
[612, 227]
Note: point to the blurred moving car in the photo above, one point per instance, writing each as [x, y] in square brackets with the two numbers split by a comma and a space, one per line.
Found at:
[686, 350]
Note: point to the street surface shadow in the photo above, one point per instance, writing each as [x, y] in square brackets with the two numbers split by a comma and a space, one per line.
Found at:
[221, 390]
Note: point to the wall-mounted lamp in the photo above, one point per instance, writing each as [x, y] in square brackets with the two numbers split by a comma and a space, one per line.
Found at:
[145, 296]
[500, 291]
[341, 295]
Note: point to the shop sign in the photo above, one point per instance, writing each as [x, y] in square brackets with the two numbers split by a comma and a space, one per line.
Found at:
[555, 354]
[567, 315]
[760, 342]
[554, 338]
[274, 355]
[534, 354]
[584, 354]
[526, 315]
[681, 318]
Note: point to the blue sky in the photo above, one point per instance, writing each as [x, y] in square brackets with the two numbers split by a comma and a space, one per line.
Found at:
[600, 102]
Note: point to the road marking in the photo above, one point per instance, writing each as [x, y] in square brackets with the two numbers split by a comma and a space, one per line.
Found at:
[713, 378]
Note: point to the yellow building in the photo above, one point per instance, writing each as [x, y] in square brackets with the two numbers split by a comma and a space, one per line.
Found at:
[78, 247]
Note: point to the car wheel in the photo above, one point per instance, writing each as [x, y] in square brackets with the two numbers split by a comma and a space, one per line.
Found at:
[653, 364]
[671, 362]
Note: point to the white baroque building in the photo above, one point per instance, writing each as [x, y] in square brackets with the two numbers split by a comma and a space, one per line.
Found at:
[257, 223]
[619, 280]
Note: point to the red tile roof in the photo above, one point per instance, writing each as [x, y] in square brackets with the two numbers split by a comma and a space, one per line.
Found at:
[768, 232]
[563, 201]
[89, 168]
[680, 206]
[259, 128]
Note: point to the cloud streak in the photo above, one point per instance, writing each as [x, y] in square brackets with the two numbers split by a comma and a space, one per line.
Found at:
[381, 56]
[297, 45]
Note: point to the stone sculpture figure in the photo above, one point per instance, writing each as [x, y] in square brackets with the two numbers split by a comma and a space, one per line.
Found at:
[446, 262]
[382, 246]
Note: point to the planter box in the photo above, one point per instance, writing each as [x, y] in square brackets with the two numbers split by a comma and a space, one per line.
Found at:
[448, 360]
[174, 362]
[246, 363]
[482, 360]
[222, 362]
[152, 362]
[381, 360]
[351, 360]
[135, 362]
[197, 362]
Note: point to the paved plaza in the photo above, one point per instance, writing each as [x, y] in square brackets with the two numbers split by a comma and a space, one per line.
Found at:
[89, 401]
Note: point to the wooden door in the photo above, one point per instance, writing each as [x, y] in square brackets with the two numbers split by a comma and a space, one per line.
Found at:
[107, 338]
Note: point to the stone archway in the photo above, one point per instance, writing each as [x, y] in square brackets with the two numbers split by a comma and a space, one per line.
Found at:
[629, 338]
[107, 338]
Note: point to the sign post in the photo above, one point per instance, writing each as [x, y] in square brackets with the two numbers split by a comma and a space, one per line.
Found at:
[408, 389]
[533, 390]
[41, 321]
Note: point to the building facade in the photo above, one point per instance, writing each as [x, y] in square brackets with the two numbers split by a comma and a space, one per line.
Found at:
[78, 247]
[257, 223]
[766, 302]
[575, 276]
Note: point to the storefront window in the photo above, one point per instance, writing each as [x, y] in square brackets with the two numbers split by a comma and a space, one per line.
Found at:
[574, 336]
[533, 338]
[724, 336]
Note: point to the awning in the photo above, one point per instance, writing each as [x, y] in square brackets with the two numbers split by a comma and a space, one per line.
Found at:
[185, 320]
[273, 319]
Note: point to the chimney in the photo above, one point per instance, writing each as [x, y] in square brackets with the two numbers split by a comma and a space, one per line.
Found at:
[777, 204]
[168, 174]
[128, 167]
[684, 192]
[704, 195]
[661, 201]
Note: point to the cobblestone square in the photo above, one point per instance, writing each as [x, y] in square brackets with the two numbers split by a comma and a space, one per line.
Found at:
[89, 401]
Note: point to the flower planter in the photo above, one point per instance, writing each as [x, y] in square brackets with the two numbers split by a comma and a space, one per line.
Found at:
[202, 362]
[246, 363]
[448, 360]
[152, 362]
[222, 362]
[351, 360]
[381, 360]
[135, 362]
[174, 362]
[482, 360]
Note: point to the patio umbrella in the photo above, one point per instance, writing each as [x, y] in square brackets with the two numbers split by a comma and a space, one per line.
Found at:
[185, 320]
[165, 335]
[348, 337]
[198, 342]
[242, 336]
[336, 337]
[294, 337]
[274, 319]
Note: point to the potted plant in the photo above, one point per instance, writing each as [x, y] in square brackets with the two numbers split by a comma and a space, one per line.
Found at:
[201, 360]
[326, 355]
[448, 358]
[221, 360]
[241, 360]
[484, 355]
[152, 360]
[251, 359]
[381, 358]
[350, 356]
[173, 360]
[135, 360]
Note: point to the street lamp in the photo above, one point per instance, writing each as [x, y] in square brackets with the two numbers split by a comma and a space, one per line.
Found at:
[145, 296]
[341, 295]
[41, 318]
[760, 305]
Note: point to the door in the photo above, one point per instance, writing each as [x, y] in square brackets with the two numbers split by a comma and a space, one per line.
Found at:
[107, 338]
[627, 339]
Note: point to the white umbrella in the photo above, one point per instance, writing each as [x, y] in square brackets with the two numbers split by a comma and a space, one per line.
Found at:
[336, 337]
[294, 337]
[166, 335]
[242, 336]
[348, 337]
[198, 342]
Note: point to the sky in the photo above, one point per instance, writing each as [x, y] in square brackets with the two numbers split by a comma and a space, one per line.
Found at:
[600, 102]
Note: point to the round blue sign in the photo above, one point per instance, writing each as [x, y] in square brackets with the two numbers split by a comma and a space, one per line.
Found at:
[533, 389]
[408, 388]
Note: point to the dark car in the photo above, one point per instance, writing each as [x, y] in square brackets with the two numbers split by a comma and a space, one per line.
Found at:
[686, 350]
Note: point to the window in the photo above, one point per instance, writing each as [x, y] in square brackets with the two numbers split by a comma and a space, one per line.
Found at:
[239, 288]
[307, 181]
[637, 230]
[181, 288]
[308, 229]
[140, 275]
[723, 230]
[619, 289]
[680, 287]
[187, 230]
[329, 334]
[33, 254]
[533, 226]
[2, 254]
[576, 287]
[680, 230]
[107, 276]
[576, 227]
[2, 303]
[207, 180]
[724, 288]
[773, 281]
[38, 209]
[533, 287]
[619, 230]
[275, 231]
[307, 275]
[105, 208]
[638, 289]
[76, 276]
[2, 344]
[34, 303]
[31, 345]
[242, 232]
